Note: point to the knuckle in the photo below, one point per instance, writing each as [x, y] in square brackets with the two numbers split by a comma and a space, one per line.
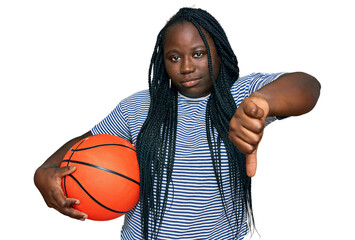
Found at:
[234, 128]
[231, 126]
[62, 204]
[259, 127]
[249, 149]
[254, 141]
[244, 148]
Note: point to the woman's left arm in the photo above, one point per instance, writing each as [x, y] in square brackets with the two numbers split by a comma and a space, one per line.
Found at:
[292, 94]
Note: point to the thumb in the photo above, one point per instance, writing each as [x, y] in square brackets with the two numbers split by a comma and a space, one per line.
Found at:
[251, 163]
[63, 171]
[252, 109]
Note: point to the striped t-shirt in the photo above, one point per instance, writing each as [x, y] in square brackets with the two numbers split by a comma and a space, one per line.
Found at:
[194, 208]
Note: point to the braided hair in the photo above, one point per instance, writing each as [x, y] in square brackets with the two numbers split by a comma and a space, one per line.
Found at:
[156, 140]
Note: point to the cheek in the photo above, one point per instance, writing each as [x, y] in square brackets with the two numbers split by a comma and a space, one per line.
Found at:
[171, 70]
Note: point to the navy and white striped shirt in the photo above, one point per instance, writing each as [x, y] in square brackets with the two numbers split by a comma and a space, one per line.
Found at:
[194, 209]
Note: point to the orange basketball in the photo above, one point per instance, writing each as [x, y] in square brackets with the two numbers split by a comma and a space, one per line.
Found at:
[106, 180]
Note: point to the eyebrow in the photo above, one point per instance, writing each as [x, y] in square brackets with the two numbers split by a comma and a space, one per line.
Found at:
[176, 50]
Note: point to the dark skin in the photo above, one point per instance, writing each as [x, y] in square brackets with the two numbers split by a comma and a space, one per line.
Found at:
[185, 58]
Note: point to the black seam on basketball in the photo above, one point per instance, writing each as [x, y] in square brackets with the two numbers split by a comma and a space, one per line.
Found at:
[102, 168]
[68, 161]
[102, 145]
[73, 150]
[81, 186]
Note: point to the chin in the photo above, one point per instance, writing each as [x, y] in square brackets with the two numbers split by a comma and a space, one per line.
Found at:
[195, 95]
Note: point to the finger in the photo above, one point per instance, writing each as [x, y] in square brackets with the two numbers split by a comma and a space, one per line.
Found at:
[251, 164]
[243, 146]
[252, 124]
[252, 110]
[63, 204]
[69, 202]
[63, 171]
[74, 213]
[250, 137]
[66, 208]
[59, 200]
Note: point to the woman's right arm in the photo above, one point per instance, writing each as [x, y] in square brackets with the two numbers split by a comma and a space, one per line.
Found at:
[48, 179]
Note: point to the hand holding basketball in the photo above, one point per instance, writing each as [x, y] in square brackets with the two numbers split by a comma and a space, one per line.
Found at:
[246, 129]
[48, 182]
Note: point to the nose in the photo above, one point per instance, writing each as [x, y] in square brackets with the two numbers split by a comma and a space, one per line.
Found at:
[187, 66]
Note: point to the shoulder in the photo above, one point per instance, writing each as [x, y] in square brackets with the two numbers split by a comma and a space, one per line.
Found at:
[139, 100]
[138, 97]
[126, 118]
[130, 107]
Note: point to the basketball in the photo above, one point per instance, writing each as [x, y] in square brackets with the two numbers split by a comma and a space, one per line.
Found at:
[106, 180]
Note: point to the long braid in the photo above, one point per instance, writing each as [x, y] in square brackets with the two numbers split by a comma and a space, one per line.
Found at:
[156, 140]
[225, 108]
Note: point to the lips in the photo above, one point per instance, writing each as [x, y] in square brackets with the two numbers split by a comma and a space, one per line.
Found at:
[191, 82]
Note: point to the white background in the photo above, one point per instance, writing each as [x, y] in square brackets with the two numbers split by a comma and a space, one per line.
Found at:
[64, 65]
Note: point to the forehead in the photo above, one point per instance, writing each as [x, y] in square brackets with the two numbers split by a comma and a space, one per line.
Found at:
[185, 34]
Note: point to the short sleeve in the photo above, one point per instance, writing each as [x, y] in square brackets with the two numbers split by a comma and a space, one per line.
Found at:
[127, 118]
[259, 80]
[115, 123]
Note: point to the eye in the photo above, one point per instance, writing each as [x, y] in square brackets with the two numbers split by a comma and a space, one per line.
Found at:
[198, 54]
[174, 58]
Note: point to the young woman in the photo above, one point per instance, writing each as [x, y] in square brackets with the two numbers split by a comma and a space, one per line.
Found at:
[196, 130]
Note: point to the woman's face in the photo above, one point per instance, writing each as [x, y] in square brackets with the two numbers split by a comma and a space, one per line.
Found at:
[186, 62]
